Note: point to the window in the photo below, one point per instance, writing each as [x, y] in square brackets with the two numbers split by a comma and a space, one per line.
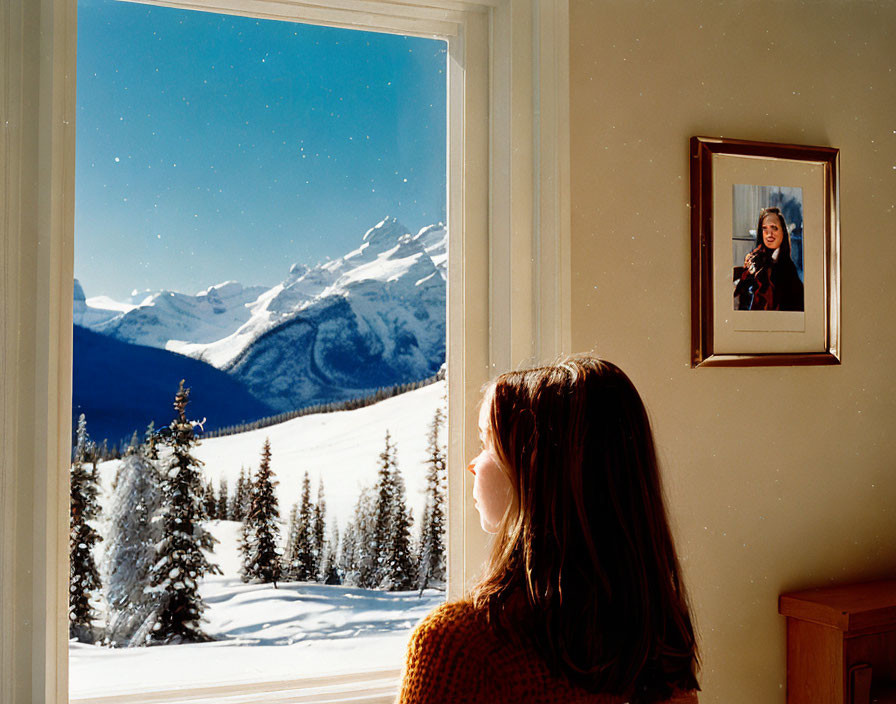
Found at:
[509, 212]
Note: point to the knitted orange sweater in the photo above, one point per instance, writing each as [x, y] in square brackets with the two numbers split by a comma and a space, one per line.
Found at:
[454, 657]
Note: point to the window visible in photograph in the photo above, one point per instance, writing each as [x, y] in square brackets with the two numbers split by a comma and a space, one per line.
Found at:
[259, 349]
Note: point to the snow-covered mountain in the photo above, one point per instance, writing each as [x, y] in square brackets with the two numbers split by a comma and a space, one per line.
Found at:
[98, 311]
[167, 316]
[375, 317]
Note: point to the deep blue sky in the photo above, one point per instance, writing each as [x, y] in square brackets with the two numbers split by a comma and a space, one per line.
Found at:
[212, 147]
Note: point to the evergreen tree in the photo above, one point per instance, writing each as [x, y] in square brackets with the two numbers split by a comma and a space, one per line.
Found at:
[246, 494]
[210, 501]
[131, 448]
[149, 442]
[242, 496]
[261, 561]
[290, 558]
[180, 561]
[133, 445]
[223, 501]
[84, 578]
[330, 570]
[318, 532]
[400, 568]
[348, 559]
[383, 513]
[234, 504]
[131, 551]
[301, 562]
[432, 525]
[359, 558]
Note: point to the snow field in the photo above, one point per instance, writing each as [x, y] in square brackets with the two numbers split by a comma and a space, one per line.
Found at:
[298, 630]
[342, 447]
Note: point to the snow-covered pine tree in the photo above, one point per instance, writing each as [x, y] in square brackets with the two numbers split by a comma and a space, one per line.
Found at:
[400, 569]
[432, 525]
[131, 547]
[302, 560]
[358, 558]
[223, 501]
[151, 451]
[243, 496]
[330, 571]
[180, 561]
[238, 491]
[261, 559]
[84, 580]
[129, 449]
[348, 558]
[318, 532]
[290, 558]
[246, 496]
[210, 501]
[383, 512]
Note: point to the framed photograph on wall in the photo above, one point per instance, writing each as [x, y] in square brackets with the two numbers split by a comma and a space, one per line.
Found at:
[765, 238]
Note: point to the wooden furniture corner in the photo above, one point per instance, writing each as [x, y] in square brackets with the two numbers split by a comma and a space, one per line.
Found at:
[841, 644]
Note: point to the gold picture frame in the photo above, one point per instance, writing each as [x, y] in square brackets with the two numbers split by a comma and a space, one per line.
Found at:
[757, 298]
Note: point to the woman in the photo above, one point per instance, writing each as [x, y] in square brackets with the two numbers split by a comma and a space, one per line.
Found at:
[582, 599]
[769, 279]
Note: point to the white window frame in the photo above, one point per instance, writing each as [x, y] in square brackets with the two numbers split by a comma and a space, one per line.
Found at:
[508, 288]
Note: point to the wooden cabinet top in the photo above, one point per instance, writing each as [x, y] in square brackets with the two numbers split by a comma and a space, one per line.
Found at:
[850, 607]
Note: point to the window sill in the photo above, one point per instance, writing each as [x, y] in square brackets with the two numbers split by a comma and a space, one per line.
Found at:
[376, 687]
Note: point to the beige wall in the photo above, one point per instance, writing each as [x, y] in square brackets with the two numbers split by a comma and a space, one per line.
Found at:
[779, 478]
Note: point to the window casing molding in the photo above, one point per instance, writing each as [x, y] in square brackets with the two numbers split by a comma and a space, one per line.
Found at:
[508, 288]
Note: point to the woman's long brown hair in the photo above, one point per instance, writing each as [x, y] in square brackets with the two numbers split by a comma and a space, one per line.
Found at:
[587, 545]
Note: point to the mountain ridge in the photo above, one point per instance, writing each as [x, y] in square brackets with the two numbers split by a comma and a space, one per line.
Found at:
[338, 330]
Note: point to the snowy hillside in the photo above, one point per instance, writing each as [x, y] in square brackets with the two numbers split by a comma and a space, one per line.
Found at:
[298, 630]
[342, 448]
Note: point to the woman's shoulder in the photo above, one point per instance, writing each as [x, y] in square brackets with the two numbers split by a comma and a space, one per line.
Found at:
[456, 619]
[441, 651]
[505, 667]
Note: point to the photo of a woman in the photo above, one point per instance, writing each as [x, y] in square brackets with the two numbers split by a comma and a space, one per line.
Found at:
[769, 279]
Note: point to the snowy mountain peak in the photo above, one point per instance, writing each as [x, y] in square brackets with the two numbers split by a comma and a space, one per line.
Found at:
[140, 297]
[384, 234]
[223, 290]
[393, 285]
[434, 239]
[408, 246]
[296, 271]
[95, 311]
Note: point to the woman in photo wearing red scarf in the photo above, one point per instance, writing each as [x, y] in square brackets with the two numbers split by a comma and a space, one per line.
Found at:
[769, 279]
